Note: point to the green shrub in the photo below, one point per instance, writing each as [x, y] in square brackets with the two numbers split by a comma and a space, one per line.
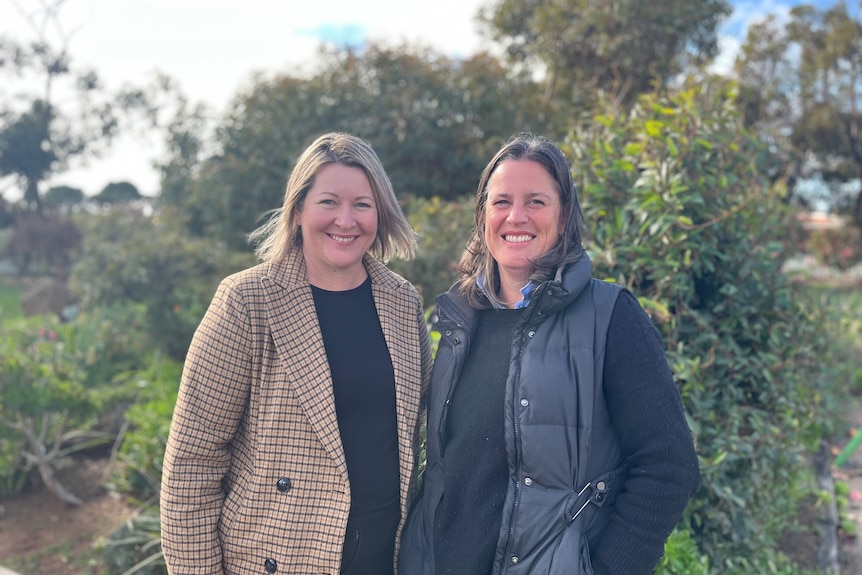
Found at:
[135, 547]
[130, 259]
[682, 557]
[42, 397]
[149, 419]
[680, 213]
[443, 229]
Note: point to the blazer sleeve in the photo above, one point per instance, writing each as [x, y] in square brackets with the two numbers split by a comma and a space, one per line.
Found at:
[213, 394]
[647, 413]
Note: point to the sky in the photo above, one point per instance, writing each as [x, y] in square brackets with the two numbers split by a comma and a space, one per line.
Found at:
[213, 48]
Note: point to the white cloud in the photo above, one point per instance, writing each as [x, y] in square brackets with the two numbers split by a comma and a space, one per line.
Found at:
[213, 47]
[735, 30]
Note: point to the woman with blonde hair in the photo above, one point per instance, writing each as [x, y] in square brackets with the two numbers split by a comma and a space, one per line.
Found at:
[294, 443]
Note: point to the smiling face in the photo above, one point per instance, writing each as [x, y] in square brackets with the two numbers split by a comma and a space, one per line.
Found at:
[338, 219]
[522, 220]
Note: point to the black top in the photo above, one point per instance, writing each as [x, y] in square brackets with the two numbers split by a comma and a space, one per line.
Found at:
[363, 382]
[468, 520]
[475, 474]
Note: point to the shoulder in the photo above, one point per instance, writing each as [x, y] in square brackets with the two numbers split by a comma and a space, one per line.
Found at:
[629, 322]
[388, 281]
[245, 279]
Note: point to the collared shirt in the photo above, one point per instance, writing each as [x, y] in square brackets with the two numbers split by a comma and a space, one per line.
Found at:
[526, 292]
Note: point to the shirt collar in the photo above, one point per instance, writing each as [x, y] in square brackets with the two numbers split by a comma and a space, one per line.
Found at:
[526, 292]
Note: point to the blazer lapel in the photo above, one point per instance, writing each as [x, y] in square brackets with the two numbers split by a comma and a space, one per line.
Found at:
[296, 334]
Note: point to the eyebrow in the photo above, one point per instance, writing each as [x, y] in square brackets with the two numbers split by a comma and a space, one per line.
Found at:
[529, 194]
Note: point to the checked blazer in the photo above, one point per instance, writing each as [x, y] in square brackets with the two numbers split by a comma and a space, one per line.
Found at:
[254, 478]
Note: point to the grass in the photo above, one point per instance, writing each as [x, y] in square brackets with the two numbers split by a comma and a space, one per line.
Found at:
[10, 299]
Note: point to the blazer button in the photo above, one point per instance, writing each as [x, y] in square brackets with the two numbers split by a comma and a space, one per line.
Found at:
[282, 485]
[271, 565]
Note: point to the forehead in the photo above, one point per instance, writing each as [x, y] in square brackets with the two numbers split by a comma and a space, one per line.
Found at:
[339, 179]
[521, 176]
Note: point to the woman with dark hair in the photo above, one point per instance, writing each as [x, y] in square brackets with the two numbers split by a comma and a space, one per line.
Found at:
[556, 441]
[294, 443]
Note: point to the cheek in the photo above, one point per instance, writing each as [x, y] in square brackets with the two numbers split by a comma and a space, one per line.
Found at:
[491, 225]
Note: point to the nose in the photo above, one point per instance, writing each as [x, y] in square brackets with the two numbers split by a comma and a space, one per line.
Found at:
[344, 219]
[517, 214]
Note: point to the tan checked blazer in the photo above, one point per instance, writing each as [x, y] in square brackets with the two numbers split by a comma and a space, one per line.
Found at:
[254, 473]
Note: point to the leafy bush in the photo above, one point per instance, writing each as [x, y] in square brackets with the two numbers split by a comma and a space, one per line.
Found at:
[42, 395]
[135, 547]
[682, 557]
[443, 229]
[128, 258]
[681, 215]
[149, 420]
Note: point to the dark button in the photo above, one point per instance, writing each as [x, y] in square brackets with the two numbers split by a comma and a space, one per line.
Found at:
[271, 565]
[283, 484]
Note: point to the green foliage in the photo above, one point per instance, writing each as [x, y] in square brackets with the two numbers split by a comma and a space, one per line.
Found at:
[118, 193]
[135, 548]
[433, 121]
[149, 419]
[846, 520]
[13, 471]
[64, 198]
[52, 112]
[622, 48]
[443, 229]
[129, 258]
[800, 82]
[682, 557]
[682, 216]
[42, 394]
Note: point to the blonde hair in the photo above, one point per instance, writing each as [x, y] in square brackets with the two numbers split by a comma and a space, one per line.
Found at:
[395, 238]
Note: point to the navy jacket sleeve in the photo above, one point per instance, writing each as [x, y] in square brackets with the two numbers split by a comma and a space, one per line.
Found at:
[647, 413]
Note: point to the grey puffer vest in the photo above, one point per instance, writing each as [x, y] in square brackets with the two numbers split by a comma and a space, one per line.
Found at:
[564, 457]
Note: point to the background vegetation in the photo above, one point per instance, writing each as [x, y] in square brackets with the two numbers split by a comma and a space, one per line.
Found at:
[689, 181]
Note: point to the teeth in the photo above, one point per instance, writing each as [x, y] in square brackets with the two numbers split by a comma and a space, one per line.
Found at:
[342, 239]
[518, 239]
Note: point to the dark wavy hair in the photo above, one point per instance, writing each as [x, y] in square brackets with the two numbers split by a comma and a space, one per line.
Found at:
[477, 260]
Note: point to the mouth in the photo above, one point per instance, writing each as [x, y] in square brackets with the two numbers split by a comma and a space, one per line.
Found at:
[343, 239]
[517, 239]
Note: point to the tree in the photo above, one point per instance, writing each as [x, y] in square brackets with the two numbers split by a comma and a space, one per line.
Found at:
[64, 198]
[117, 193]
[39, 136]
[618, 48]
[433, 121]
[680, 213]
[801, 86]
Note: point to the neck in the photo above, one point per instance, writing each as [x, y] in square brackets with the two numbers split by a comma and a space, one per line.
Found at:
[330, 280]
[510, 293]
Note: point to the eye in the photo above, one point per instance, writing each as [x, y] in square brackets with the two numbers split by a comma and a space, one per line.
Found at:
[327, 202]
[537, 202]
[365, 205]
[500, 202]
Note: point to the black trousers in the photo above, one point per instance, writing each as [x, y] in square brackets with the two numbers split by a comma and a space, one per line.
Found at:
[369, 544]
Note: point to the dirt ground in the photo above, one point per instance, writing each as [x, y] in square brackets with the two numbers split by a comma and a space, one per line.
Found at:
[41, 535]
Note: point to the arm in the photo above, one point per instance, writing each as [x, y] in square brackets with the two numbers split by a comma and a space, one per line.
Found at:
[647, 414]
[212, 397]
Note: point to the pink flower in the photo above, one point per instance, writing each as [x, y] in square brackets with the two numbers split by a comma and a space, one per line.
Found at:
[52, 335]
[41, 332]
